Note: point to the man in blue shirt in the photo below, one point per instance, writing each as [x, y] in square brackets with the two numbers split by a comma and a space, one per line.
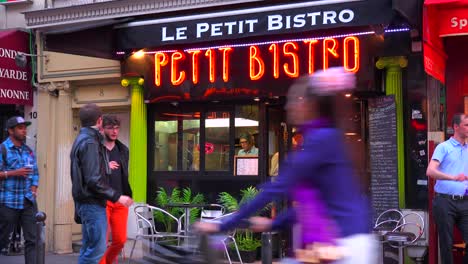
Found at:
[18, 188]
[449, 166]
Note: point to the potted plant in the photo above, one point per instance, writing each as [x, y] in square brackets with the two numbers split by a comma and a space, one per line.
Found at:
[248, 245]
[163, 198]
[245, 239]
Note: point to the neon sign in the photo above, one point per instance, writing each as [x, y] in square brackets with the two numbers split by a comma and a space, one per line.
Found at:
[279, 60]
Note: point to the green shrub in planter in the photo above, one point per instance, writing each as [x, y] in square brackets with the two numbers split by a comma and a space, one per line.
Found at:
[248, 245]
[176, 196]
[247, 242]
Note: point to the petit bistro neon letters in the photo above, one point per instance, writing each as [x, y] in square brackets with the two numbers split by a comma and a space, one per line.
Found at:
[284, 58]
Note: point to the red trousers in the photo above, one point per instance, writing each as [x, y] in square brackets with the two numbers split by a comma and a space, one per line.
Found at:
[117, 215]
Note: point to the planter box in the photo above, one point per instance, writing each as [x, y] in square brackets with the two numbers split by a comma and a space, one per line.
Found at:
[247, 256]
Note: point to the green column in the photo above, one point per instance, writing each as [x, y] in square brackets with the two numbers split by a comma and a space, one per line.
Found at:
[138, 139]
[393, 85]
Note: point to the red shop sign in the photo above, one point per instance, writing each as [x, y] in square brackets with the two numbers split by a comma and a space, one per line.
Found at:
[15, 82]
[453, 21]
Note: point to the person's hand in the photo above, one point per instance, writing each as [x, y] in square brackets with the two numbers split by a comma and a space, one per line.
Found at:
[260, 224]
[125, 200]
[460, 177]
[34, 191]
[206, 227]
[113, 165]
[22, 172]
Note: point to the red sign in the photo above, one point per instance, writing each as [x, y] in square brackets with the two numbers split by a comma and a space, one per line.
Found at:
[453, 22]
[434, 62]
[434, 55]
[15, 82]
[282, 59]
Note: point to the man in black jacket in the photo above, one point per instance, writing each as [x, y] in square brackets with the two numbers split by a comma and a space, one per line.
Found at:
[90, 188]
[117, 213]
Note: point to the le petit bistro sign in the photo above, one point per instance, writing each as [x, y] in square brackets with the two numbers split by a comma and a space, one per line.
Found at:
[261, 21]
[278, 60]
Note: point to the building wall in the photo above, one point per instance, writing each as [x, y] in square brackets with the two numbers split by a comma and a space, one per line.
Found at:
[13, 16]
[65, 83]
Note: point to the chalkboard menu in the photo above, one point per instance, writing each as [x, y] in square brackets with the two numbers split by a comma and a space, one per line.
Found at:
[383, 154]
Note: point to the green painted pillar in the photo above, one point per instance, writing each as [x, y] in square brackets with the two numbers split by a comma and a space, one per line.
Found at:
[138, 139]
[393, 85]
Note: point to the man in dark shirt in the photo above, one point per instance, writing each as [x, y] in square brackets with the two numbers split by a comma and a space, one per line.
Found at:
[117, 213]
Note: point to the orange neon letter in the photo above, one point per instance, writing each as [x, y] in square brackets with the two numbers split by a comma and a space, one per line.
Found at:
[195, 65]
[160, 60]
[274, 49]
[255, 59]
[311, 54]
[286, 51]
[210, 54]
[327, 50]
[356, 51]
[177, 77]
[226, 63]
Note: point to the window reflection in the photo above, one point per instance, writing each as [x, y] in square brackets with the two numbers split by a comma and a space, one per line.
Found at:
[191, 143]
[169, 129]
[165, 153]
[217, 141]
[246, 123]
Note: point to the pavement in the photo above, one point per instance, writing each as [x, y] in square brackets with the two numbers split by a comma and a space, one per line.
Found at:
[72, 258]
[50, 258]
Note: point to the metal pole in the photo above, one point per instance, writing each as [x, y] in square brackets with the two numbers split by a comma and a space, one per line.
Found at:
[40, 237]
[267, 250]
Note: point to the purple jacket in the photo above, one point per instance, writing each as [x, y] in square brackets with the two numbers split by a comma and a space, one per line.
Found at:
[322, 182]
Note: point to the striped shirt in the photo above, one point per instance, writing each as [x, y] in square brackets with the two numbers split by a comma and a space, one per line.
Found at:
[14, 189]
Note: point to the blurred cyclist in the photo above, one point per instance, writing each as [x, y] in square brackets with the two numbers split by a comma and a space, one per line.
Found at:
[329, 205]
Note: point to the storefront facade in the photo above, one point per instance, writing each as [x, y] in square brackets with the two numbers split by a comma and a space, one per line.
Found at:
[202, 80]
[210, 78]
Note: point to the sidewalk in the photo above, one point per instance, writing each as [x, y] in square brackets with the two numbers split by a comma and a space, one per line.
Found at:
[59, 259]
[50, 258]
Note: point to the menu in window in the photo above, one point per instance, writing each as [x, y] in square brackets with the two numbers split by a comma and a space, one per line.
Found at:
[244, 165]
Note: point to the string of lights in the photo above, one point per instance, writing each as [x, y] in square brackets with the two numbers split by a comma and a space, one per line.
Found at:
[362, 33]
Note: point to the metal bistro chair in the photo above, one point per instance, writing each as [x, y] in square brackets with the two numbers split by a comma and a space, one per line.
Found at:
[400, 233]
[146, 228]
[208, 212]
[228, 238]
[212, 211]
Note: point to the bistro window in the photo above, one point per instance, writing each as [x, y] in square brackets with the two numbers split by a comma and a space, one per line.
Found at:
[170, 130]
[206, 140]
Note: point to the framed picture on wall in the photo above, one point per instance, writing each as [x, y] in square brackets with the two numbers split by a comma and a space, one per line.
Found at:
[246, 165]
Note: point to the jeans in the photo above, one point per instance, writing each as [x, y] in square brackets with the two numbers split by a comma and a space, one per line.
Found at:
[9, 218]
[448, 213]
[94, 228]
[117, 215]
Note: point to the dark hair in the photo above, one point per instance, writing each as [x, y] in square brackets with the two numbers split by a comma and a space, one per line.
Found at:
[247, 137]
[89, 115]
[457, 118]
[110, 120]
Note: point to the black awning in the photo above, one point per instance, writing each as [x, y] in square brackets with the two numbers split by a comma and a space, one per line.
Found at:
[250, 22]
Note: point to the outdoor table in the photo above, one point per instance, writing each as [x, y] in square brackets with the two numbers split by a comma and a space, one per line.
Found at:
[187, 207]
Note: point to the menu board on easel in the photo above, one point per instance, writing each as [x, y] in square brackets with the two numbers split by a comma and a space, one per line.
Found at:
[383, 154]
[246, 165]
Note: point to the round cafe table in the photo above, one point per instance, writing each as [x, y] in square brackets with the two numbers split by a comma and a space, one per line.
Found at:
[187, 207]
